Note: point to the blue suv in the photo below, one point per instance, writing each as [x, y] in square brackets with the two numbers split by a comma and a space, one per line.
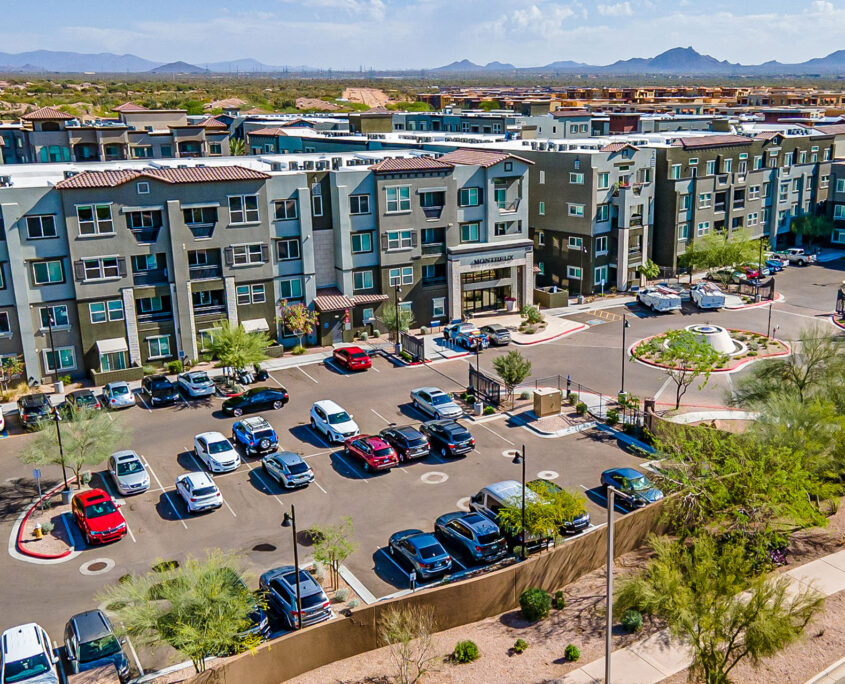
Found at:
[256, 435]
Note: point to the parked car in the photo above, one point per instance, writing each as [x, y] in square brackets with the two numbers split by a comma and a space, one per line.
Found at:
[117, 395]
[2, 420]
[408, 442]
[195, 384]
[633, 488]
[448, 437]
[452, 329]
[707, 296]
[490, 499]
[374, 452]
[160, 390]
[421, 551]
[216, 452]
[659, 299]
[98, 516]
[256, 435]
[352, 358]
[199, 492]
[259, 625]
[279, 587]
[288, 469]
[26, 656]
[477, 537]
[33, 409]
[435, 402]
[775, 265]
[332, 421]
[797, 255]
[81, 400]
[128, 472]
[547, 489]
[497, 334]
[256, 399]
[90, 642]
[471, 339]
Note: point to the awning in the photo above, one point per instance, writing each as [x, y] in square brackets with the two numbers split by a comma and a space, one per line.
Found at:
[116, 344]
[132, 210]
[369, 299]
[256, 325]
[332, 299]
[199, 205]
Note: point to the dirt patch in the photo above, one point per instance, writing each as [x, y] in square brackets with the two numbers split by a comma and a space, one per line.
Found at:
[313, 103]
[372, 97]
[55, 542]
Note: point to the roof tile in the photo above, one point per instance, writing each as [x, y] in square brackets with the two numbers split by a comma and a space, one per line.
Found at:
[193, 174]
[393, 164]
[46, 113]
[475, 157]
[712, 141]
[130, 107]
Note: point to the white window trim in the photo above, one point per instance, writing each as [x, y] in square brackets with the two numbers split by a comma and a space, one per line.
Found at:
[97, 233]
[45, 356]
[599, 240]
[358, 197]
[102, 277]
[247, 245]
[572, 210]
[284, 202]
[291, 280]
[298, 249]
[148, 340]
[575, 242]
[399, 200]
[40, 218]
[245, 222]
[364, 275]
[400, 240]
[56, 326]
[573, 272]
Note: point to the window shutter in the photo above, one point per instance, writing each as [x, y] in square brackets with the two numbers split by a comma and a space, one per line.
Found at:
[229, 255]
[79, 270]
[384, 242]
[121, 266]
[265, 253]
[413, 238]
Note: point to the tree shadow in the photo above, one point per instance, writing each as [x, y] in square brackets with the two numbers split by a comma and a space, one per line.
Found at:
[17, 493]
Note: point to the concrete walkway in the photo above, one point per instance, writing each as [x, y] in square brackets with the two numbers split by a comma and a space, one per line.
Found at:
[659, 656]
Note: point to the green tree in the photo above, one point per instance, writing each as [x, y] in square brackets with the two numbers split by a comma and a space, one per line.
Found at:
[388, 315]
[649, 270]
[540, 518]
[811, 227]
[563, 504]
[688, 358]
[235, 348]
[489, 105]
[333, 544]
[201, 608]
[89, 437]
[720, 251]
[11, 367]
[708, 595]
[237, 147]
[298, 318]
[408, 631]
[512, 368]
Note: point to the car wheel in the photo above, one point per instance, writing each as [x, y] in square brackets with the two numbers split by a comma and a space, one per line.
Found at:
[415, 404]
[390, 549]
[443, 451]
[313, 425]
[802, 263]
[277, 404]
[366, 467]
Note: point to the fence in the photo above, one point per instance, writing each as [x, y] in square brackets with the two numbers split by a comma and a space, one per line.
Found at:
[485, 386]
[415, 346]
[597, 402]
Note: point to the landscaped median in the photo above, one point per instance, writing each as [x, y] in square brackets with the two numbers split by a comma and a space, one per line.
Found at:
[837, 321]
[57, 540]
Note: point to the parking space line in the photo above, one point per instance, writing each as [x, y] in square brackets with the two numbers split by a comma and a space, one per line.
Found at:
[380, 416]
[273, 378]
[457, 562]
[332, 364]
[164, 492]
[261, 479]
[354, 470]
[496, 433]
[307, 375]
[319, 453]
[182, 397]
[392, 560]
[143, 402]
[616, 506]
[135, 657]
[319, 487]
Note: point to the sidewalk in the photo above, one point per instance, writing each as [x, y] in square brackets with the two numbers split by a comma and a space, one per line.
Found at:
[659, 656]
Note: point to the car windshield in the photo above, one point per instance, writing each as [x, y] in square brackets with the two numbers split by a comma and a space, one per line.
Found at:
[162, 385]
[99, 648]
[430, 551]
[99, 509]
[440, 399]
[263, 434]
[416, 441]
[119, 390]
[199, 379]
[312, 600]
[129, 467]
[298, 468]
[360, 356]
[21, 670]
[489, 538]
[204, 491]
[85, 400]
[342, 417]
[459, 435]
[638, 484]
[35, 409]
[219, 447]
[386, 451]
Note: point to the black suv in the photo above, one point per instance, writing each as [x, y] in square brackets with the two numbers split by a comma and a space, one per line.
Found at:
[448, 437]
[33, 409]
[160, 390]
[407, 441]
[256, 399]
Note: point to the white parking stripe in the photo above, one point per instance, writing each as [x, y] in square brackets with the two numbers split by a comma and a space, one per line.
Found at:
[319, 487]
[354, 470]
[392, 560]
[261, 479]
[380, 416]
[165, 493]
[226, 504]
[340, 371]
[135, 657]
[457, 562]
[143, 402]
[496, 433]
[273, 378]
[307, 375]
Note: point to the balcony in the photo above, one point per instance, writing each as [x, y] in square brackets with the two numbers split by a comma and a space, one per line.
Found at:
[154, 277]
[201, 231]
[210, 310]
[432, 213]
[719, 206]
[433, 248]
[636, 220]
[153, 316]
[206, 272]
[145, 235]
[508, 207]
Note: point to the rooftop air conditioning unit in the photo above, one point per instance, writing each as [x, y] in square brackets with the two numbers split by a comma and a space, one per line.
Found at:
[6, 181]
[293, 166]
[337, 162]
[533, 144]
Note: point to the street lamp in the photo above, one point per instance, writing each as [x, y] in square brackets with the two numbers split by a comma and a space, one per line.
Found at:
[50, 324]
[290, 521]
[771, 306]
[625, 325]
[517, 459]
[608, 644]
[396, 307]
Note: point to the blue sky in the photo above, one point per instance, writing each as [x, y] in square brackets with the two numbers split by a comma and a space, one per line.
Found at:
[346, 34]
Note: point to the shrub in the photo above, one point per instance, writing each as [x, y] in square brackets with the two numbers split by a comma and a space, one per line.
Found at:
[341, 595]
[65, 379]
[573, 398]
[580, 408]
[148, 370]
[424, 330]
[297, 350]
[319, 572]
[612, 416]
[520, 646]
[559, 601]
[517, 551]
[47, 527]
[465, 652]
[406, 356]
[752, 353]
[525, 395]
[529, 330]
[468, 397]
[572, 653]
[489, 410]
[165, 566]
[174, 366]
[364, 336]
[535, 604]
[354, 603]
[85, 478]
[376, 333]
[206, 358]
[632, 621]
[531, 314]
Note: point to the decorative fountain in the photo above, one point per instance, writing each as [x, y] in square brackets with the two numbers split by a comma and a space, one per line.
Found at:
[718, 337]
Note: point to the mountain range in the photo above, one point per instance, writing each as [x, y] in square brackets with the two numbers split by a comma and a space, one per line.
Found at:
[677, 61]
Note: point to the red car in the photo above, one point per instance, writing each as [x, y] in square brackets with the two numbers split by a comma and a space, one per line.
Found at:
[352, 358]
[98, 516]
[373, 451]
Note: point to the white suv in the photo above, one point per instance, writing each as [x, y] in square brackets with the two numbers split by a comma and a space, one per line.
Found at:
[198, 492]
[217, 452]
[26, 656]
[332, 421]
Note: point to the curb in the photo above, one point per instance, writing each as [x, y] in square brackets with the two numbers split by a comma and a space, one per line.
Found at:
[22, 524]
[767, 302]
[553, 337]
[839, 323]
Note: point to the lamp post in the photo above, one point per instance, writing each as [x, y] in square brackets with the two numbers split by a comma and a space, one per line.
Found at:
[625, 326]
[581, 280]
[50, 324]
[759, 273]
[290, 521]
[608, 644]
[396, 307]
[771, 306]
[517, 460]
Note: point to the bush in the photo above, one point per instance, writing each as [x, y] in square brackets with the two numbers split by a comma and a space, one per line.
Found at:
[423, 330]
[341, 595]
[531, 314]
[632, 621]
[206, 358]
[529, 330]
[148, 370]
[559, 601]
[47, 527]
[525, 395]
[85, 478]
[65, 379]
[580, 408]
[465, 652]
[489, 410]
[612, 416]
[174, 366]
[572, 653]
[520, 646]
[376, 333]
[535, 604]
[573, 398]
[297, 350]
[354, 603]
[406, 356]
[319, 572]
[364, 336]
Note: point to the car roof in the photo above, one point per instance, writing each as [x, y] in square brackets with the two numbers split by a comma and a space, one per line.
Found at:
[375, 441]
[81, 393]
[445, 423]
[93, 495]
[34, 400]
[629, 473]
[408, 432]
[23, 641]
[422, 539]
[211, 436]
[288, 457]
[329, 406]
[194, 373]
[198, 479]
[159, 377]
[307, 584]
[430, 390]
[479, 523]
[118, 383]
[353, 350]
[494, 326]
[507, 489]
[90, 625]
[256, 423]
[125, 455]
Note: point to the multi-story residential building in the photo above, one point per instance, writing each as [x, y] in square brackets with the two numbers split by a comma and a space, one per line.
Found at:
[836, 203]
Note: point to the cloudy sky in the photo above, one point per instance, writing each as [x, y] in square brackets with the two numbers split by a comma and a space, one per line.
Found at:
[348, 34]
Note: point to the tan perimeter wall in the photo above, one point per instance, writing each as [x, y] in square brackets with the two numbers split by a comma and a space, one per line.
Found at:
[453, 604]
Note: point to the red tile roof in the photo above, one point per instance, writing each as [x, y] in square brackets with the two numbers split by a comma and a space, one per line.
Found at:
[563, 113]
[211, 122]
[274, 131]
[130, 107]
[394, 164]
[46, 114]
[831, 129]
[193, 174]
[483, 158]
[332, 299]
[617, 147]
[712, 141]
[767, 135]
[369, 299]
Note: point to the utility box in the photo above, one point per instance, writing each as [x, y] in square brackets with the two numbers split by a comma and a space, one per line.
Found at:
[546, 402]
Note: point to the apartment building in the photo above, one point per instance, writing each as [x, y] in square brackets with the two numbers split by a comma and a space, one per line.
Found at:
[836, 203]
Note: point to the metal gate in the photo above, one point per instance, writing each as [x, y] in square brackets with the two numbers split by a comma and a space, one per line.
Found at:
[483, 386]
[415, 346]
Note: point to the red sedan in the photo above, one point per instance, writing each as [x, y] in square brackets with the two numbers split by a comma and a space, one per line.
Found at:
[373, 451]
[352, 358]
[98, 517]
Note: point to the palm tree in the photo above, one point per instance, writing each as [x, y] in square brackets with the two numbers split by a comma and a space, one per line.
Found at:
[237, 147]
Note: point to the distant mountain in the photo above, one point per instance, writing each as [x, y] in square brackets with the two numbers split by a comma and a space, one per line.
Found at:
[464, 66]
[75, 62]
[178, 68]
[674, 61]
[250, 65]
[498, 66]
[566, 65]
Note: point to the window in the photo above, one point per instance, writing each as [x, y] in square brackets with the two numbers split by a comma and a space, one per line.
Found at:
[59, 313]
[40, 227]
[243, 255]
[753, 192]
[693, 161]
[438, 307]
[143, 220]
[603, 181]
[576, 179]
[600, 275]
[542, 209]
[704, 200]
[432, 199]
[144, 262]
[508, 228]
[573, 272]
[398, 199]
[142, 188]
[541, 238]
[48, 272]
[95, 219]
[100, 269]
[243, 209]
[675, 171]
[5, 328]
[470, 232]
[542, 178]
[112, 361]
[469, 197]
[758, 162]
[753, 219]
[259, 295]
[285, 210]
[401, 276]
[159, 346]
[702, 228]
[576, 209]
[683, 231]
[287, 250]
[242, 293]
[362, 280]
[166, 150]
[840, 184]
[509, 165]
[433, 273]
[575, 242]
[727, 165]
[824, 181]
[362, 243]
[783, 192]
[141, 151]
[200, 216]
[601, 245]
[215, 148]
[368, 315]
[291, 288]
[317, 204]
[603, 213]
[826, 155]
[684, 202]
[711, 167]
[62, 359]
[839, 212]
[399, 239]
[541, 267]
[359, 204]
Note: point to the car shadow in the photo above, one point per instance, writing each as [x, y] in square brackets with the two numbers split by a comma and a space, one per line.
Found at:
[171, 508]
[265, 484]
[407, 409]
[390, 569]
[351, 468]
[220, 414]
[304, 433]
[189, 462]
[334, 368]
[189, 403]
[596, 495]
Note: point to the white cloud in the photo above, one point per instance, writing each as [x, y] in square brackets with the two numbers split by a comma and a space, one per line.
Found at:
[620, 9]
[822, 7]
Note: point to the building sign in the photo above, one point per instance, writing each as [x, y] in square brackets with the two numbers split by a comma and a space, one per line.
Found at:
[491, 260]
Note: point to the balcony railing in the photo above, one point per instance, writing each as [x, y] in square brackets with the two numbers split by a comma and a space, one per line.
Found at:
[432, 213]
[433, 248]
[150, 277]
[636, 220]
[154, 316]
[508, 207]
[205, 272]
[719, 206]
[145, 235]
[209, 310]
